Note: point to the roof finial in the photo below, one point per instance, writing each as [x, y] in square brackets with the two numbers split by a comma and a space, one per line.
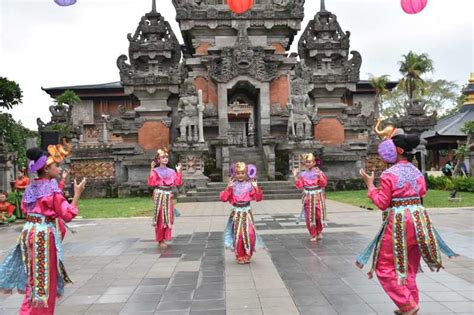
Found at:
[153, 6]
[323, 6]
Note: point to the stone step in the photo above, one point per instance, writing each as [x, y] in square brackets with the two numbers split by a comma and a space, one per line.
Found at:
[216, 198]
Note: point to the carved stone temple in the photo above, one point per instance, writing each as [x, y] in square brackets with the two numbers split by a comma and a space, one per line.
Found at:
[231, 90]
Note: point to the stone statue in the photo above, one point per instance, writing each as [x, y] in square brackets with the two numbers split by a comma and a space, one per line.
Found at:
[188, 107]
[301, 112]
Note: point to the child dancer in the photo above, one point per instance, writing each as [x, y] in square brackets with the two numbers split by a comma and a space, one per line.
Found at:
[313, 181]
[163, 179]
[240, 233]
[35, 266]
[407, 233]
[6, 209]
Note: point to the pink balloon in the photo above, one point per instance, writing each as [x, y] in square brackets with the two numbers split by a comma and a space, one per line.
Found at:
[413, 6]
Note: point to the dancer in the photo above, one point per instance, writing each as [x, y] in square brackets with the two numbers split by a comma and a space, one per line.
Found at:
[163, 179]
[407, 233]
[6, 209]
[21, 183]
[36, 265]
[313, 181]
[240, 233]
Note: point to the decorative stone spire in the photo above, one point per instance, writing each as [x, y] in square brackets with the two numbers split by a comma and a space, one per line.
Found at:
[469, 91]
[153, 6]
[323, 6]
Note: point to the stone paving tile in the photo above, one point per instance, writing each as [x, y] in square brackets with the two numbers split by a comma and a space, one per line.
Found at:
[117, 267]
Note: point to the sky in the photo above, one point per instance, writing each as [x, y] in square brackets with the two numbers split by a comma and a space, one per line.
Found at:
[45, 45]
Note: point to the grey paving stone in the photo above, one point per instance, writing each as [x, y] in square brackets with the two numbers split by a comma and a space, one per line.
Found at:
[174, 306]
[458, 307]
[206, 305]
[139, 307]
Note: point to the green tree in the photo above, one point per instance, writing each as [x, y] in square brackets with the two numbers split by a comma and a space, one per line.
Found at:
[463, 150]
[380, 86]
[15, 135]
[412, 67]
[10, 93]
[439, 96]
[68, 97]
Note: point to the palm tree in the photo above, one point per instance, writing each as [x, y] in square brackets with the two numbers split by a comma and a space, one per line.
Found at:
[10, 93]
[380, 86]
[412, 67]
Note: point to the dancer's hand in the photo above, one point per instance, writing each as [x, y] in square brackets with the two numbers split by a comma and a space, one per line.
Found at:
[295, 172]
[368, 179]
[178, 167]
[254, 183]
[79, 188]
[230, 183]
[153, 165]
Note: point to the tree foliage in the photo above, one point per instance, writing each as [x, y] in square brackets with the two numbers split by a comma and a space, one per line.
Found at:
[380, 86]
[412, 67]
[10, 93]
[439, 95]
[15, 134]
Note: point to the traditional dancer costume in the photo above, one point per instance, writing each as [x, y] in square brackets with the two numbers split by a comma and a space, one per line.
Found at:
[240, 233]
[17, 195]
[407, 233]
[6, 210]
[313, 181]
[35, 266]
[163, 179]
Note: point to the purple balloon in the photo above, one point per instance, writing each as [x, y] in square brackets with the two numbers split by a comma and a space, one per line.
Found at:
[251, 171]
[232, 170]
[65, 3]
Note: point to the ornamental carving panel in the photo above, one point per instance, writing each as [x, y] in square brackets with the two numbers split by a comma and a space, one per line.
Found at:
[93, 169]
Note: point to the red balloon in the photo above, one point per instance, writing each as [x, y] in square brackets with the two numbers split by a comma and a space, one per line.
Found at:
[240, 6]
[413, 6]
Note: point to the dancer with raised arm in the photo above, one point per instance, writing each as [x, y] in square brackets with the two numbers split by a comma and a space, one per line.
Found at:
[313, 181]
[240, 234]
[36, 265]
[407, 233]
[163, 179]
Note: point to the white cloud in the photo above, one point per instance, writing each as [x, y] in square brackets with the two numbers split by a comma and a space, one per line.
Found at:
[42, 44]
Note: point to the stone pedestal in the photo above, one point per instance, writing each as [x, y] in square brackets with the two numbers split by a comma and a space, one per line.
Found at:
[191, 158]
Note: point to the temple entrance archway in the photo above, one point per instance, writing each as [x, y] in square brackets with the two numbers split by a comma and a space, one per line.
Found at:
[243, 115]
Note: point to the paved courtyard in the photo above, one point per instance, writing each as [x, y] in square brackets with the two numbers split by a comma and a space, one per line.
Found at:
[117, 267]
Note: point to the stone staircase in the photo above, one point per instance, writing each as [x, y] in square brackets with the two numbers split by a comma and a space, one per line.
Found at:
[272, 190]
[249, 155]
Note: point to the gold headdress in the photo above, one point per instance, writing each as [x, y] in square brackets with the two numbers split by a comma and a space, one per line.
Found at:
[162, 152]
[240, 166]
[309, 157]
[57, 153]
[387, 132]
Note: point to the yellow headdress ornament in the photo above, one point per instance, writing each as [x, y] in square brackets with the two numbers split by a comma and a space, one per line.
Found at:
[387, 132]
[57, 153]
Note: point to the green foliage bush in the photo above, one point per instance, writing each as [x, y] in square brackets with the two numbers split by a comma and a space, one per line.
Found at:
[446, 183]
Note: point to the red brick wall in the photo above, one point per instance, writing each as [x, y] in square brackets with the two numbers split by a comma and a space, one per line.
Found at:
[329, 131]
[279, 49]
[202, 48]
[209, 90]
[153, 135]
[279, 91]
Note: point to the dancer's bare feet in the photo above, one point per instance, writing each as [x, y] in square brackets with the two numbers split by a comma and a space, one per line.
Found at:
[320, 236]
[241, 261]
[313, 239]
[163, 245]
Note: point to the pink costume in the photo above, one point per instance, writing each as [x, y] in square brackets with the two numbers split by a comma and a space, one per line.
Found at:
[406, 235]
[40, 249]
[314, 199]
[240, 234]
[163, 179]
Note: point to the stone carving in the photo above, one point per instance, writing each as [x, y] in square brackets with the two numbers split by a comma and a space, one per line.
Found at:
[154, 53]
[242, 59]
[324, 51]
[188, 108]
[301, 112]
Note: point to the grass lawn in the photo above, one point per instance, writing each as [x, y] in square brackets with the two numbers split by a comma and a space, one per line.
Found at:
[138, 207]
[434, 198]
[115, 207]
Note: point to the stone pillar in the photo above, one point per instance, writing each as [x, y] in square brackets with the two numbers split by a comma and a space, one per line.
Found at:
[264, 109]
[222, 110]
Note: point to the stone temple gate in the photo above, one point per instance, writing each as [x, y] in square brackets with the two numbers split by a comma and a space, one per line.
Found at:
[230, 91]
